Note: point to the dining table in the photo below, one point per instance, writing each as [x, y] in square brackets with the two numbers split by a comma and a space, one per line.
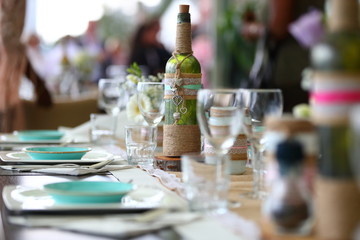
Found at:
[246, 209]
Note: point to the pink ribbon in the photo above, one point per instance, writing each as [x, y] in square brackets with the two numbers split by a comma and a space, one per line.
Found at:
[336, 97]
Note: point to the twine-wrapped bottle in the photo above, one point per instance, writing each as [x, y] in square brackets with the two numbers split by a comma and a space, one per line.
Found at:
[336, 89]
[183, 80]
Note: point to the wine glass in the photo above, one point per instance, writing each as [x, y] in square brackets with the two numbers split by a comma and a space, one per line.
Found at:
[111, 96]
[151, 102]
[219, 115]
[257, 104]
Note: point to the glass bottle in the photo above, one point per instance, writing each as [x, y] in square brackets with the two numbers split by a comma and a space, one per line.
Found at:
[289, 204]
[182, 79]
[336, 88]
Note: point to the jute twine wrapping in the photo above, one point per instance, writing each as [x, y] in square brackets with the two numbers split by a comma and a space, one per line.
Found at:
[160, 133]
[237, 153]
[183, 38]
[186, 79]
[337, 204]
[180, 139]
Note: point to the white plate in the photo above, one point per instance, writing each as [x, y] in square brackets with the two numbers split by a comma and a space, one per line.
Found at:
[22, 199]
[21, 157]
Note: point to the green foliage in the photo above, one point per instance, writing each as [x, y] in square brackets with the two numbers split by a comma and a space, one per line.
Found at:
[135, 70]
[235, 55]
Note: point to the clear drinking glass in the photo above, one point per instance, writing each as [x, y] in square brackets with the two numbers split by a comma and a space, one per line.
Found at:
[257, 104]
[102, 129]
[206, 184]
[140, 144]
[111, 96]
[151, 101]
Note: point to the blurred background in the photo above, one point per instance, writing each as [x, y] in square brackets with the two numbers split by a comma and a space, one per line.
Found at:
[71, 44]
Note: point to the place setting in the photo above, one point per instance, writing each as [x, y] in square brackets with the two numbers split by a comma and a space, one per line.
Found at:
[46, 137]
[86, 197]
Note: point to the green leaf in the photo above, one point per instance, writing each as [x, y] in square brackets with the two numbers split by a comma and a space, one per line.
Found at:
[135, 70]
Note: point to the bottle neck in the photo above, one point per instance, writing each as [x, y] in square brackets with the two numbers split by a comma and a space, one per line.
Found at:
[183, 34]
[343, 15]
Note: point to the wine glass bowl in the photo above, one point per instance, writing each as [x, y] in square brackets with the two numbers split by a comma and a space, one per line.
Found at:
[111, 96]
[219, 117]
[151, 101]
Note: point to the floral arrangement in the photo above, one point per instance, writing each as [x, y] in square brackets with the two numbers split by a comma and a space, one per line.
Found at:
[135, 76]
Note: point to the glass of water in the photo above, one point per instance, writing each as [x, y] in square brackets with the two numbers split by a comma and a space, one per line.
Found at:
[140, 144]
[206, 184]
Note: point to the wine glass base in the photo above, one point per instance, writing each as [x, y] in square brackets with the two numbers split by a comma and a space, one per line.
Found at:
[254, 195]
[233, 204]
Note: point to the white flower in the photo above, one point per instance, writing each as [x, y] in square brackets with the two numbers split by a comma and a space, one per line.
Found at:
[133, 111]
[145, 103]
[132, 78]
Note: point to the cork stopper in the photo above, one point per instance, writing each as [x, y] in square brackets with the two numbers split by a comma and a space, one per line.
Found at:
[184, 8]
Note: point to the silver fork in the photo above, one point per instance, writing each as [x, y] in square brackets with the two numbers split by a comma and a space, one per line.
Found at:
[65, 165]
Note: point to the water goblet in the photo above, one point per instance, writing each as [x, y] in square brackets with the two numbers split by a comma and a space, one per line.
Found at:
[257, 104]
[151, 102]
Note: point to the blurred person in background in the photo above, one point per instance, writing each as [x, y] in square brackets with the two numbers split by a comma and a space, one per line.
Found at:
[14, 64]
[281, 59]
[146, 50]
[115, 56]
[92, 47]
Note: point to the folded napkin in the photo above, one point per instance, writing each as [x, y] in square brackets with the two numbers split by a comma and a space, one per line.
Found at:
[188, 225]
[119, 226]
[82, 132]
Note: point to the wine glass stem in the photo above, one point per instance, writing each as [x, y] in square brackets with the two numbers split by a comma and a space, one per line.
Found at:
[258, 170]
[115, 116]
